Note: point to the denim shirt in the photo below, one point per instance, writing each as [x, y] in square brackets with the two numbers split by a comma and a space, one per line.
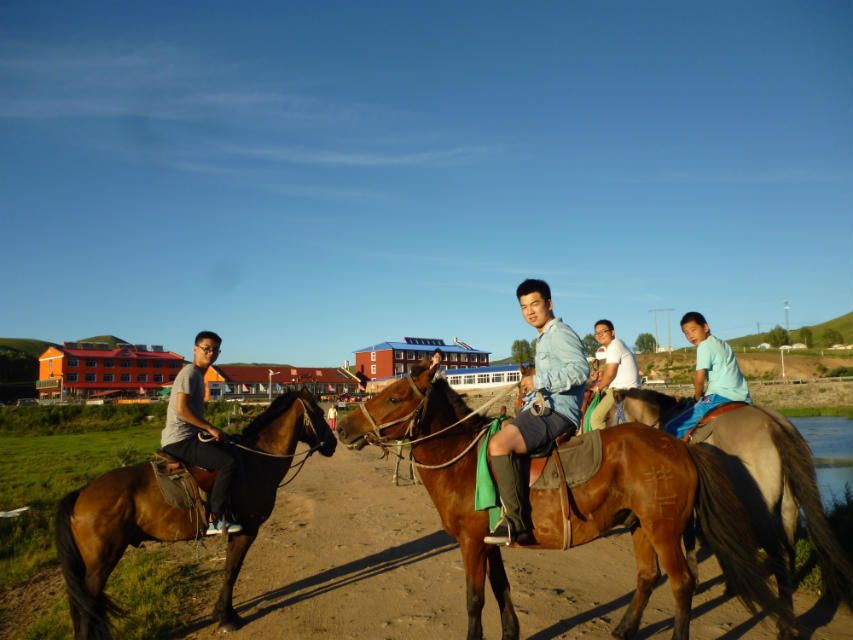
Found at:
[561, 370]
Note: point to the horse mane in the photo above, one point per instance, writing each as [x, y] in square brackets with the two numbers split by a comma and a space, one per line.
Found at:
[664, 401]
[281, 404]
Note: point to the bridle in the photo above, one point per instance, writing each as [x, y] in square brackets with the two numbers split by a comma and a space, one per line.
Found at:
[413, 416]
[376, 438]
[307, 422]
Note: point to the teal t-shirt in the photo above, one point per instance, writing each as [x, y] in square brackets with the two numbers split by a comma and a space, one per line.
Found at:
[724, 375]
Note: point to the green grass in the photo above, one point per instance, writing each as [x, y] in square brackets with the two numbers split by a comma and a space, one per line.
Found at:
[38, 471]
[154, 591]
[810, 412]
[842, 324]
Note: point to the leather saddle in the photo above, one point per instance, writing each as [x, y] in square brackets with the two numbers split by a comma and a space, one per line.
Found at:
[709, 417]
[170, 466]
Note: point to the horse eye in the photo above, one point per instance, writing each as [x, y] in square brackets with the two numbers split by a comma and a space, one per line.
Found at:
[394, 400]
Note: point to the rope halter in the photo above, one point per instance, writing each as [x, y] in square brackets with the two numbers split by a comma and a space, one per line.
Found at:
[412, 416]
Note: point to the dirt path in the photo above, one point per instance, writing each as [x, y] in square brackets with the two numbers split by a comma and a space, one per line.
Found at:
[348, 555]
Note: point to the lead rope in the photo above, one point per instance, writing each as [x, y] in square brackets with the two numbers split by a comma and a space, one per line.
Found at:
[386, 446]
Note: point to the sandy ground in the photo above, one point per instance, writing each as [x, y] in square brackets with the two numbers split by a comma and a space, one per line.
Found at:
[347, 554]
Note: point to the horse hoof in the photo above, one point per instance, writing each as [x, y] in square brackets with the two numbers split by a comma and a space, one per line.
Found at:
[231, 625]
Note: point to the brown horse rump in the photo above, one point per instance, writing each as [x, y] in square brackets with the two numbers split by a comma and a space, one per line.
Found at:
[705, 428]
[579, 459]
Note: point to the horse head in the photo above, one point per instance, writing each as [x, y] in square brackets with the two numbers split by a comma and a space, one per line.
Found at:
[316, 432]
[393, 413]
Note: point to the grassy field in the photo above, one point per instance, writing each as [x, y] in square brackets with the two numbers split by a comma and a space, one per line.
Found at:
[36, 471]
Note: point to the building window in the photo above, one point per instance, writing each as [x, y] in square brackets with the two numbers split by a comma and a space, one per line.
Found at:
[91, 377]
[73, 362]
[109, 377]
[454, 380]
[142, 364]
[172, 377]
[497, 377]
[158, 364]
[70, 377]
[463, 357]
[454, 357]
[91, 363]
[399, 367]
[109, 364]
[142, 377]
[125, 364]
[373, 369]
[125, 377]
[399, 355]
[158, 377]
[469, 379]
[174, 365]
[513, 376]
[373, 356]
[410, 355]
[482, 378]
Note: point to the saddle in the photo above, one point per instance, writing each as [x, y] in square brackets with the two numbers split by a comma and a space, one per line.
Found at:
[183, 486]
[702, 431]
[573, 461]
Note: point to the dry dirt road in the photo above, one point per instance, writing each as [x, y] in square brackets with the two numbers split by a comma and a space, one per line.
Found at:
[348, 555]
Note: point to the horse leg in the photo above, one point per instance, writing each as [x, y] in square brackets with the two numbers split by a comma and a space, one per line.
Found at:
[500, 587]
[647, 576]
[785, 564]
[223, 612]
[474, 557]
[680, 579]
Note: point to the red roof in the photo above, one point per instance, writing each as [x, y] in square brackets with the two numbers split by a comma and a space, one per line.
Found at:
[285, 374]
[123, 352]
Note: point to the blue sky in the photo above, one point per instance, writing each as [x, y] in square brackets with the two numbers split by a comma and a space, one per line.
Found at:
[310, 178]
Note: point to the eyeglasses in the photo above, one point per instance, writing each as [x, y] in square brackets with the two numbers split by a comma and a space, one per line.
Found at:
[209, 351]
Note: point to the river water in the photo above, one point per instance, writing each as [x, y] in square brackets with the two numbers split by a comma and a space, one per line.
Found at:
[831, 440]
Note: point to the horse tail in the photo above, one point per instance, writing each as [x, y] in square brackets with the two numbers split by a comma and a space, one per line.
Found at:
[725, 528]
[798, 467]
[88, 613]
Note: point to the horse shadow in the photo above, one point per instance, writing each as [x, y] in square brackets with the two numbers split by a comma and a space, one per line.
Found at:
[339, 577]
[820, 614]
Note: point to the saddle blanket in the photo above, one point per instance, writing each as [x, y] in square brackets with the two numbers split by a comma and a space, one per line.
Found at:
[580, 457]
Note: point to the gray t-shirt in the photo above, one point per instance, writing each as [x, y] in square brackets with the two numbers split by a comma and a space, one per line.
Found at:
[191, 382]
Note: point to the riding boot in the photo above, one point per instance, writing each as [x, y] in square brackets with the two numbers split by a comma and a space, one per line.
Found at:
[513, 493]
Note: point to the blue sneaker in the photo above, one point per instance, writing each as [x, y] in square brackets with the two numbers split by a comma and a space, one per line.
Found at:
[220, 526]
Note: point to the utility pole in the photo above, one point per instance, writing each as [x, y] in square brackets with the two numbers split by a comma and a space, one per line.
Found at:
[654, 313]
[269, 390]
[786, 306]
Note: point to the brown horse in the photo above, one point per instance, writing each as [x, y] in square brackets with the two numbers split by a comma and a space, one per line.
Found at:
[95, 524]
[771, 469]
[643, 470]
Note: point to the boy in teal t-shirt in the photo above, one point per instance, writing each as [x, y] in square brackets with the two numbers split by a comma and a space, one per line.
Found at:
[716, 364]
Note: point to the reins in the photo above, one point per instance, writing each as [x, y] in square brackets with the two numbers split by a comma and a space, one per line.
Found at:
[387, 445]
[306, 419]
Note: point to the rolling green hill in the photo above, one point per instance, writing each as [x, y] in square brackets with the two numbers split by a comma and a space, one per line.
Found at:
[33, 348]
[842, 324]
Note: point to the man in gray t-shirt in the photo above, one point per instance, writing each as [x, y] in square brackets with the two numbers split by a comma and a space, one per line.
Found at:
[185, 423]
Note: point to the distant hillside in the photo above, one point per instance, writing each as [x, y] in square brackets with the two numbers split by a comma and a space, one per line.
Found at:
[110, 340]
[842, 324]
[33, 348]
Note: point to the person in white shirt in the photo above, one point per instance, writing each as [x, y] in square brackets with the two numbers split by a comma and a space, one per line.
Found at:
[620, 371]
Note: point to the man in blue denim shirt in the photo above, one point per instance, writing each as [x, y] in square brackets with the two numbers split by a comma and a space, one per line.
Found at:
[561, 373]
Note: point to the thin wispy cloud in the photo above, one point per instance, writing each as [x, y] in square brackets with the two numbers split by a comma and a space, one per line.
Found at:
[454, 156]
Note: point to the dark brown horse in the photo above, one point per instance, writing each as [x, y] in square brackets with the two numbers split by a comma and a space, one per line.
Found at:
[643, 470]
[771, 469]
[95, 524]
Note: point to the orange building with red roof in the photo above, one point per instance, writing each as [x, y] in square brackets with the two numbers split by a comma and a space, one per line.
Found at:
[95, 369]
